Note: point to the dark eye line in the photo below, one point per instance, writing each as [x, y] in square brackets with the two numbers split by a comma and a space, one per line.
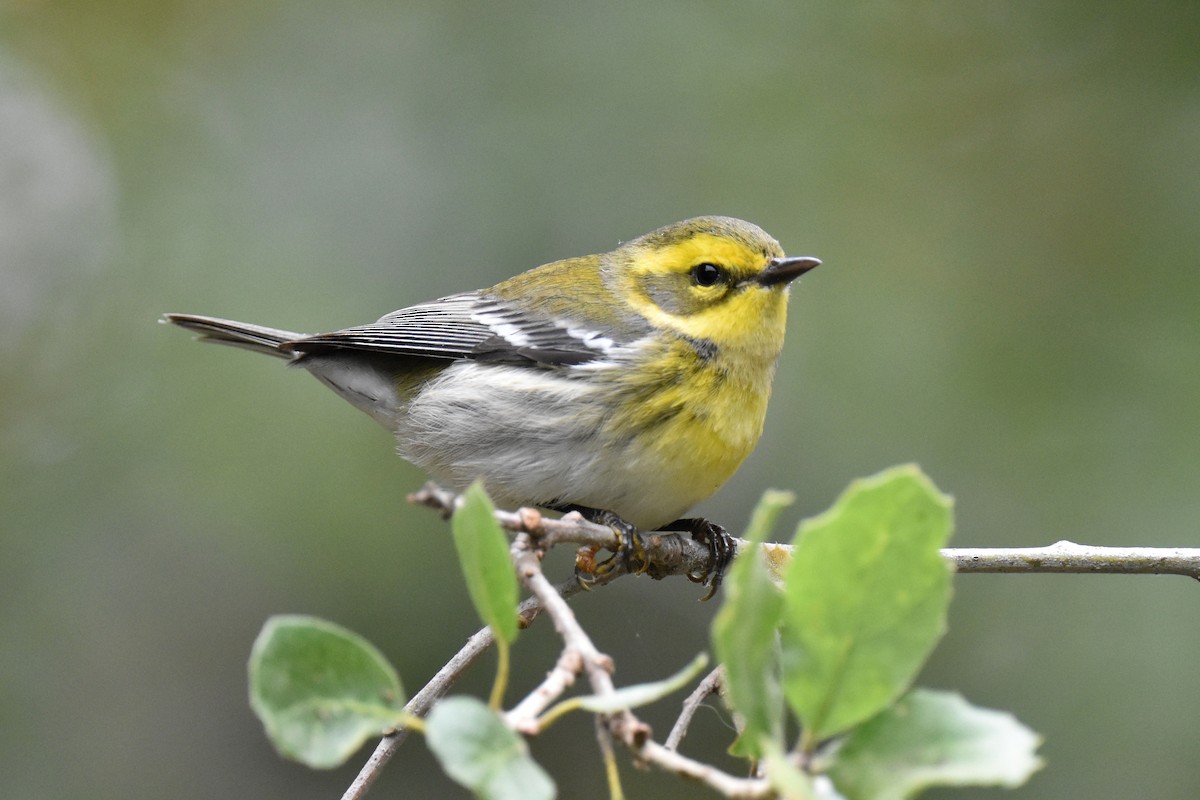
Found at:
[709, 274]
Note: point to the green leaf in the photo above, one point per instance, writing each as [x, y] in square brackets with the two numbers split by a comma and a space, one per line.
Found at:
[865, 600]
[744, 633]
[934, 739]
[480, 752]
[483, 552]
[320, 690]
[641, 694]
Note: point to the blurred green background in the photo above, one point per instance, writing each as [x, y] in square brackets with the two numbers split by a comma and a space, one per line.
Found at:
[1005, 196]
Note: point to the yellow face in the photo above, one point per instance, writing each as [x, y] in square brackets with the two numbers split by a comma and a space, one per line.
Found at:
[702, 281]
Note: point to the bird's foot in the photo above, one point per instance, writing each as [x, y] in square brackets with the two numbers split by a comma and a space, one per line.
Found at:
[630, 555]
[721, 550]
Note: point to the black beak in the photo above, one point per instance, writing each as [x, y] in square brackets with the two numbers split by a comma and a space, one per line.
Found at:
[786, 270]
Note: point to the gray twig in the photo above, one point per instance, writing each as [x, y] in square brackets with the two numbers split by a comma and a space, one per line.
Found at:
[1064, 556]
[436, 688]
[709, 686]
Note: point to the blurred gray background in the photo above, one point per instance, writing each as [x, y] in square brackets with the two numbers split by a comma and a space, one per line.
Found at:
[1005, 196]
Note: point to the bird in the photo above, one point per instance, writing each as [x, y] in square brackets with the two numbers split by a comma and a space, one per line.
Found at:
[627, 385]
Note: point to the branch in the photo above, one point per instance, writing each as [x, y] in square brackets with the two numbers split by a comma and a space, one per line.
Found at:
[666, 553]
[669, 553]
[438, 686]
[710, 685]
[677, 554]
[730, 786]
[580, 651]
[578, 647]
[1067, 556]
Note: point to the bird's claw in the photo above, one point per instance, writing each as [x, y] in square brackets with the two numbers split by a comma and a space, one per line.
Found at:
[721, 550]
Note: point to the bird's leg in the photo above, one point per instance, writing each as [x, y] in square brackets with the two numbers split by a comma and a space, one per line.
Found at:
[721, 550]
[631, 551]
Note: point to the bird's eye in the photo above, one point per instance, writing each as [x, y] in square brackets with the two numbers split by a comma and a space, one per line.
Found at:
[707, 274]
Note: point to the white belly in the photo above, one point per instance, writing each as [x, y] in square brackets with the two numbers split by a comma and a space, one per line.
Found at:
[535, 438]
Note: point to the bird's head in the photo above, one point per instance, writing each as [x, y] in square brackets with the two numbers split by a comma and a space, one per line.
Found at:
[717, 280]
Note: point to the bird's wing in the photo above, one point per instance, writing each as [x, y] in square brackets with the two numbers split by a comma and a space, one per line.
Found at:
[469, 325]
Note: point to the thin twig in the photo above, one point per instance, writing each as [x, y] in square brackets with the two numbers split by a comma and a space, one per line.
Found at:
[523, 716]
[730, 786]
[1067, 556]
[419, 705]
[597, 666]
[623, 725]
[438, 685]
[709, 686]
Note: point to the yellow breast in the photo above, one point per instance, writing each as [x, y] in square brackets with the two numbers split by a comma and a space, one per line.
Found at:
[687, 422]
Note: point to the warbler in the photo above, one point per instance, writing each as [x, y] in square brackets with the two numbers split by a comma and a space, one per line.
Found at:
[627, 385]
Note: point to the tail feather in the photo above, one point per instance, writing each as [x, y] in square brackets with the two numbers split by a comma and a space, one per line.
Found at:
[258, 338]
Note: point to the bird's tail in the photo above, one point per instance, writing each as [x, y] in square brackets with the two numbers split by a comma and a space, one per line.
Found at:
[258, 338]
